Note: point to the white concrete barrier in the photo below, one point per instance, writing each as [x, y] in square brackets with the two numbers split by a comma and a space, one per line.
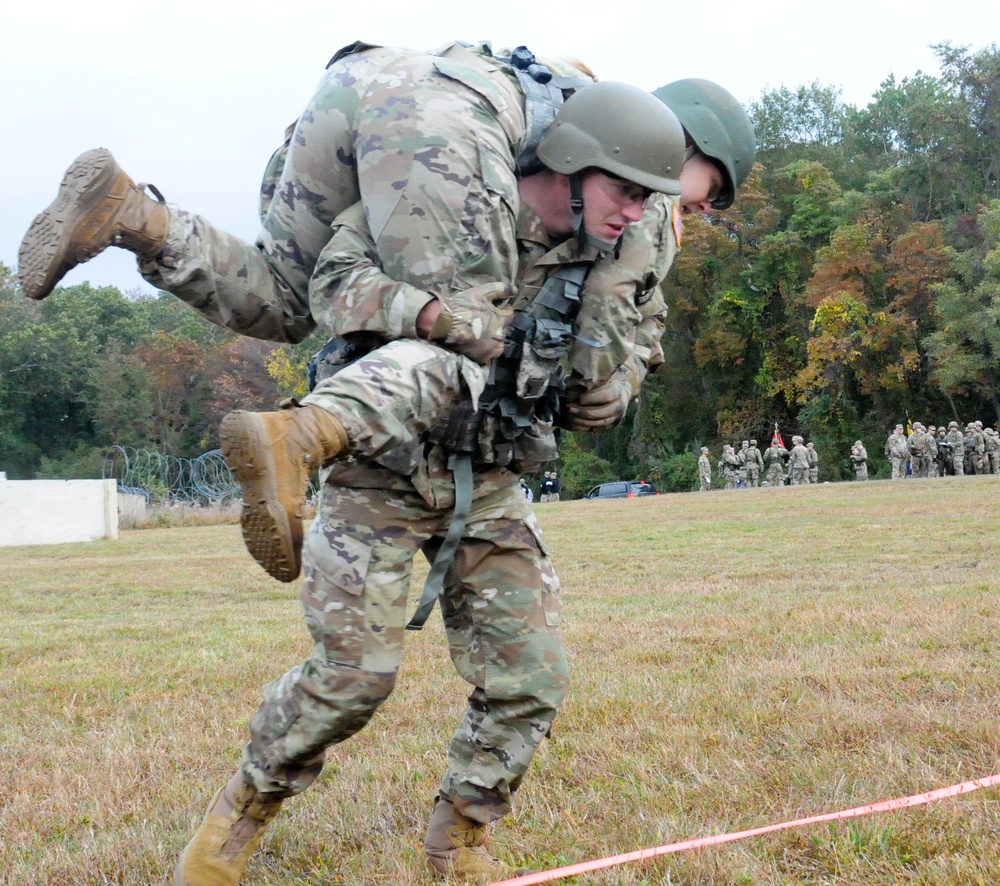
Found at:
[44, 512]
[131, 510]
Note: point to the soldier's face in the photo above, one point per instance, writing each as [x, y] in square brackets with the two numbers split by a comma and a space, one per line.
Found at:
[701, 184]
[610, 204]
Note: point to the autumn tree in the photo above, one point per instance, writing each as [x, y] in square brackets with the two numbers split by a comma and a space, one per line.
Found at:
[174, 366]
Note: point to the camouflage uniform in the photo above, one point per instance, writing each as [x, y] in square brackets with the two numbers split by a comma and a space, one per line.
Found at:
[968, 444]
[425, 141]
[932, 454]
[755, 462]
[742, 456]
[920, 453]
[859, 458]
[374, 516]
[956, 445]
[704, 471]
[992, 449]
[975, 448]
[813, 463]
[898, 452]
[510, 713]
[799, 463]
[730, 465]
[774, 459]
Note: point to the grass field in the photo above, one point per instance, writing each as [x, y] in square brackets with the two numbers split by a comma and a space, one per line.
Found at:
[739, 659]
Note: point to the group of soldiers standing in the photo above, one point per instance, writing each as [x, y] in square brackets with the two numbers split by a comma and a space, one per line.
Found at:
[920, 452]
[939, 452]
[742, 469]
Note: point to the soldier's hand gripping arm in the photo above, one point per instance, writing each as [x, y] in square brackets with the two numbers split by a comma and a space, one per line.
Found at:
[600, 408]
[349, 294]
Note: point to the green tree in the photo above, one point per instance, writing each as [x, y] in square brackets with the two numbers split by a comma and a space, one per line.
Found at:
[965, 348]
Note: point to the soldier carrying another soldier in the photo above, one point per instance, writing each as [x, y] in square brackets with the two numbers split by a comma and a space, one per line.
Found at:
[406, 492]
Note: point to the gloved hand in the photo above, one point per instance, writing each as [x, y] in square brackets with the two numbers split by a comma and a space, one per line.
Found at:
[474, 322]
[600, 408]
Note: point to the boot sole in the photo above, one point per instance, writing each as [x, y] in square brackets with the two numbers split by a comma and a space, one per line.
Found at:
[43, 258]
[273, 540]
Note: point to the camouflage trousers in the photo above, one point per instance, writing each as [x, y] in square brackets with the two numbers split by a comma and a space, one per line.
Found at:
[425, 142]
[800, 475]
[861, 472]
[501, 608]
[775, 475]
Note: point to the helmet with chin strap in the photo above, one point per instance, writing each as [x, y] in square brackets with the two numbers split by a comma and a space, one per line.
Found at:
[621, 130]
[719, 127]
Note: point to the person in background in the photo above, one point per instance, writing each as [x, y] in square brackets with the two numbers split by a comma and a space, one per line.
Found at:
[859, 459]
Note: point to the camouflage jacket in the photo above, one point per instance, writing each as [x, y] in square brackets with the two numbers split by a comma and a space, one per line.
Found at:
[917, 444]
[775, 455]
[896, 446]
[799, 457]
[622, 315]
[956, 441]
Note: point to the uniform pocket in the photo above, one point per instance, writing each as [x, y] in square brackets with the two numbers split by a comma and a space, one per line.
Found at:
[333, 603]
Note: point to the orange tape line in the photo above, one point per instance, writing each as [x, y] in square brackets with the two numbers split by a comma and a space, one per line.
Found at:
[885, 806]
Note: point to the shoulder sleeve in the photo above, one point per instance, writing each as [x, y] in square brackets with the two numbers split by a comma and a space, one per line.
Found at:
[349, 293]
[617, 291]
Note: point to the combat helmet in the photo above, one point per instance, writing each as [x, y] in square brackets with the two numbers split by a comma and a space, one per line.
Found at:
[619, 129]
[718, 126]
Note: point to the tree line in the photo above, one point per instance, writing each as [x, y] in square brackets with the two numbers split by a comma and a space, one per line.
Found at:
[854, 283]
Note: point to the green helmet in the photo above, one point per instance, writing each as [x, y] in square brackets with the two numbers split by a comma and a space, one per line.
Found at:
[718, 126]
[619, 129]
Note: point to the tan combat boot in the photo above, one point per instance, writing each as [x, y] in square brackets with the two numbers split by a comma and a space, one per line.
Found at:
[231, 832]
[97, 206]
[272, 455]
[456, 848]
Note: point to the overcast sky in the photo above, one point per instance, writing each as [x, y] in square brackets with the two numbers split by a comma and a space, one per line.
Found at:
[193, 95]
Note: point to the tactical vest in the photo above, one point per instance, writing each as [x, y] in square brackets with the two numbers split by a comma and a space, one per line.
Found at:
[526, 387]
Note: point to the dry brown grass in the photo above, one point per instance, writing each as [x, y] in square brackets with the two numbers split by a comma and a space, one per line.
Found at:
[739, 659]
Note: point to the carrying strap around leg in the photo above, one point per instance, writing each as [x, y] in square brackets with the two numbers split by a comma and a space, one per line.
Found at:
[461, 467]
